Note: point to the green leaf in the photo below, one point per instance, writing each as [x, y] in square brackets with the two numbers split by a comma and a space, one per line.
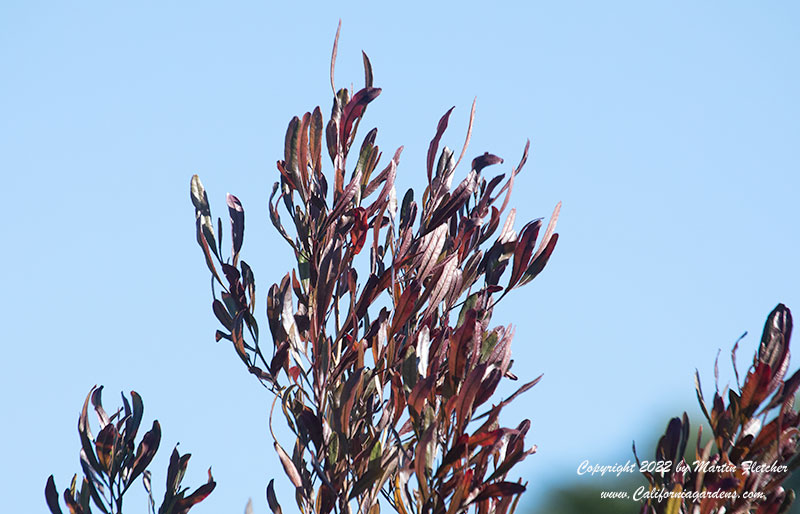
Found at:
[365, 481]
[199, 197]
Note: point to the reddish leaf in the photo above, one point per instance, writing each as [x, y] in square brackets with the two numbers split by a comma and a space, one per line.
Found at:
[421, 461]
[146, 451]
[405, 307]
[326, 279]
[467, 394]
[488, 386]
[486, 438]
[755, 387]
[302, 155]
[539, 261]
[288, 466]
[280, 358]
[788, 391]
[499, 490]
[518, 392]
[509, 186]
[355, 109]
[459, 342]
[416, 399]
[485, 160]
[315, 138]
[358, 234]
[349, 393]
[333, 53]
[430, 247]
[184, 504]
[343, 201]
[461, 492]
[523, 251]
[454, 203]
[551, 227]
[434, 146]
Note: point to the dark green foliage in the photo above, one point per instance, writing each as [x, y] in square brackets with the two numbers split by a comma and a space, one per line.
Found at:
[586, 499]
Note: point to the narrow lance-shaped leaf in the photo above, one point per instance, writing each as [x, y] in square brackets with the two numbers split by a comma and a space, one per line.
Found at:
[288, 466]
[499, 490]
[420, 463]
[97, 403]
[344, 199]
[315, 139]
[367, 70]
[433, 148]
[348, 397]
[199, 196]
[538, 263]
[333, 54]
[85, 433]
[133, 423]
[355, 109]
[92, 482]
[237, 226]
[146, 451]
[184, 504]
[303, 155]
[51, 495]
[453, 204]
[518, 392]
[509, 186]
[274, 506]
[469, 132]
[523, 252]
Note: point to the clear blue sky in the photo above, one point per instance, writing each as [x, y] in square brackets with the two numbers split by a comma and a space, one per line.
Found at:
[669, 130]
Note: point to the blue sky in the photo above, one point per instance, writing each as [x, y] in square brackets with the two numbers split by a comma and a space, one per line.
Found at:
[670, 132]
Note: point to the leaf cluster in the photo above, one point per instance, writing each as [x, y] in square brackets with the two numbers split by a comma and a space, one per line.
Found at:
[381, 379]
[111, 463]
[754, 443]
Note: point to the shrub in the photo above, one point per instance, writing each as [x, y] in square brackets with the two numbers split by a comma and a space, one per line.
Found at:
[111, 463]
[754, 439]
[381, 379]
[386, 381]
